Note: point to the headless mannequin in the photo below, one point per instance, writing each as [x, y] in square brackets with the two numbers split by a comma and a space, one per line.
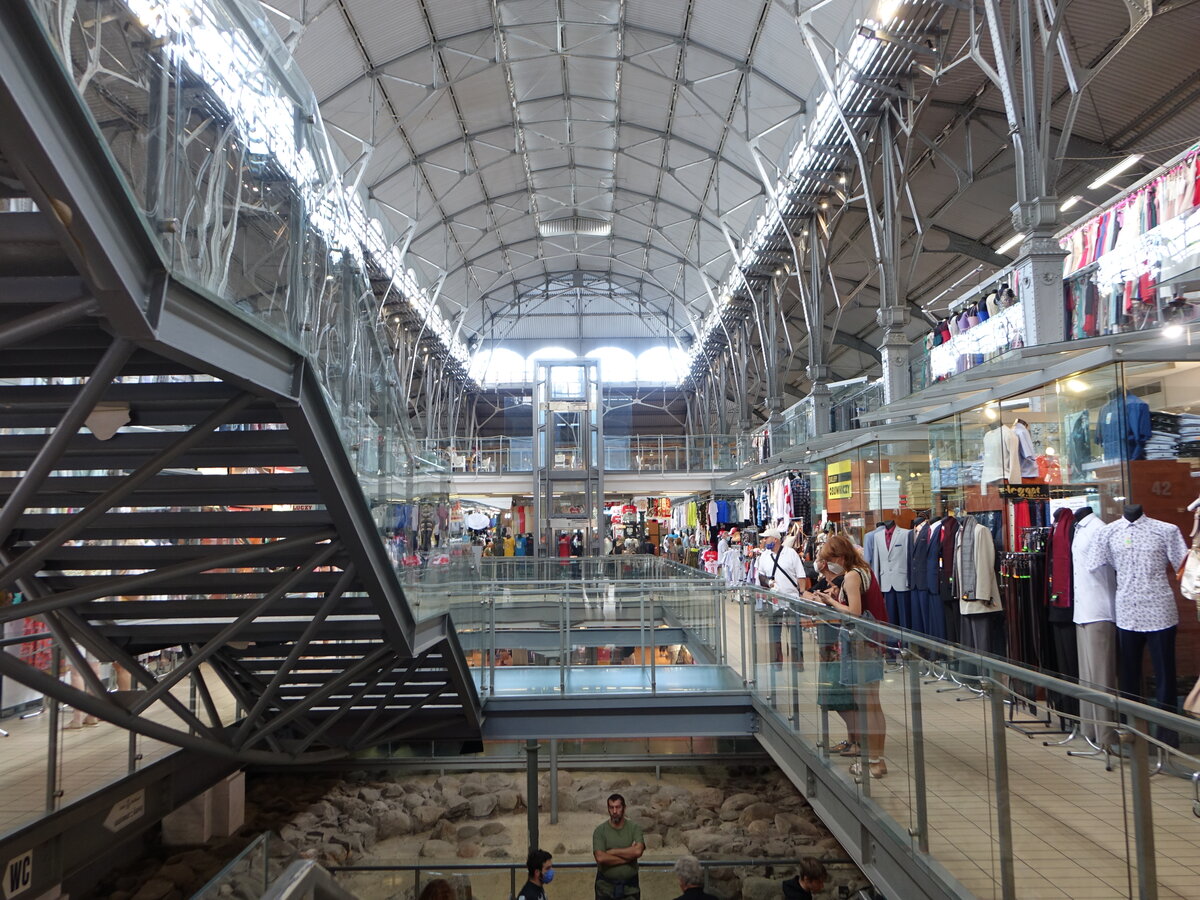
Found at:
[945, 586]
[1095, 628]
[1147, 617]
[927, 617]
[890, 562]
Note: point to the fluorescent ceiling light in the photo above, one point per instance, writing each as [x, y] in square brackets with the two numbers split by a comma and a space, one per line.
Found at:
[1069, 202]
[1124, 165]
[1010, 243]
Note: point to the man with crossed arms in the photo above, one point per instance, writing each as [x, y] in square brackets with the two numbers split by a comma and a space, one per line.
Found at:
[617, 844]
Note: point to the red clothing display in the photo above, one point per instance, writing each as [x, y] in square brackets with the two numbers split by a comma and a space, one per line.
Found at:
[1060, 559]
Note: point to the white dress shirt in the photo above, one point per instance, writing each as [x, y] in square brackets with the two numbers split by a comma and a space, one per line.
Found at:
[1141, 552]
[1095, 591]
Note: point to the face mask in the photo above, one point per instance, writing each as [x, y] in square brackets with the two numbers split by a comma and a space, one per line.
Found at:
[834, 568]
[548, 876]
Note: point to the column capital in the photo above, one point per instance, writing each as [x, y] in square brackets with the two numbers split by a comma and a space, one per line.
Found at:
[819, 375]
[893, 318]
[1037, 215]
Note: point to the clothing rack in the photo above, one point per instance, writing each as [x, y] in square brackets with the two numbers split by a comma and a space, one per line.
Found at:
[1023, 580]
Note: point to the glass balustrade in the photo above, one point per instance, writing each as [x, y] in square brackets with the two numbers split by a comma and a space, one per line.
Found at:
[979, 777]
[221, 149]
[653, 454]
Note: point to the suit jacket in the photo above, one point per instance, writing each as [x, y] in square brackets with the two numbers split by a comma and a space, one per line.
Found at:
[891, 563]
[923, 558]
[986, 587]
[945, 552]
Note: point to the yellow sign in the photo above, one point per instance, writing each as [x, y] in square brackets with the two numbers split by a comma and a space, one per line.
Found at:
[837, 480]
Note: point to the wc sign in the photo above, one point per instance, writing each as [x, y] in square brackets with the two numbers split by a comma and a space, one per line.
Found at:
[18, 875]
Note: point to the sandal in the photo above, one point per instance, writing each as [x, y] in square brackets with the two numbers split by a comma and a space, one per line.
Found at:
[851, 750]
[877, 768]
[840, 747]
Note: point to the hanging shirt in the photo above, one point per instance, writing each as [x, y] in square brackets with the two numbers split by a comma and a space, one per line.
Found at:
[1124, 428]
[1141, 552]
[1025, 451]
[1095, 589]
[1001, 456]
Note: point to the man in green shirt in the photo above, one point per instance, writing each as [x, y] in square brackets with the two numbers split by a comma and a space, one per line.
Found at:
[617, 844]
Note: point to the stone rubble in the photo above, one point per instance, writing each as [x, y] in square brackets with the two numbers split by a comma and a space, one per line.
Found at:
[737, 815]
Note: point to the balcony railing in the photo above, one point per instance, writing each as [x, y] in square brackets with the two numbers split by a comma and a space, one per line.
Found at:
[652, 454]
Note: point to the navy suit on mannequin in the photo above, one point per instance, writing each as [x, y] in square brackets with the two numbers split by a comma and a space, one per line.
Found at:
[928, 614]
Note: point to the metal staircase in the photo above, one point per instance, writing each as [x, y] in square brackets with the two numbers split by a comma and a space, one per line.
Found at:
[224, 514]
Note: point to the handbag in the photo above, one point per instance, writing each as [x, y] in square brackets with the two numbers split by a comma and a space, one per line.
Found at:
[1189, 581]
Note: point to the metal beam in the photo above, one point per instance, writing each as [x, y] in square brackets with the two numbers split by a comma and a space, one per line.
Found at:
[50, 141]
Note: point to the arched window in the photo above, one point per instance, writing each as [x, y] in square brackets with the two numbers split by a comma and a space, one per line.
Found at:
[662, 365]
[545, 353]
[616, 365]
[498, 365]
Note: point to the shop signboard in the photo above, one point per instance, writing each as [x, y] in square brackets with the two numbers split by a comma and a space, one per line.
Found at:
[837, 480]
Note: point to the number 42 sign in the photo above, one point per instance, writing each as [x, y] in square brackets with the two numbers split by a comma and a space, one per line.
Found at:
[18, 875]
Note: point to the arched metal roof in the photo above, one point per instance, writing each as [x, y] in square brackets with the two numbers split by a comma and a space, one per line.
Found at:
[527, 145]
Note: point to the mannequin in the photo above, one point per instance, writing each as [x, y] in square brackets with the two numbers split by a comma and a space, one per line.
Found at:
[889, 560]
[944, 586]
[1001, 456]
[1143, 550]
[977, 589]
[1025, 451]
[1095, 627]
[923, 578]
[869, 545]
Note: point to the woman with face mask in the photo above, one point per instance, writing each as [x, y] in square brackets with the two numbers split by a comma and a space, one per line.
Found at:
[861, 652]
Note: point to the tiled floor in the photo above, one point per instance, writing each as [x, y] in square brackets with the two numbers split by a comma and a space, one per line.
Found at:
[88, 758]
[1068, 814]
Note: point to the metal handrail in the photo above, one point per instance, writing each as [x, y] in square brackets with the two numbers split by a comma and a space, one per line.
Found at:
[308, 881]
[886, 633]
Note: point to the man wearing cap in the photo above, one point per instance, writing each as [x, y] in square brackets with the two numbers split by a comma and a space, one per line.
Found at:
[781, 569]
[781, 566]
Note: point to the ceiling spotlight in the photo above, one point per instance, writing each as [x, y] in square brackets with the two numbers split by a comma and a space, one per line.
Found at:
[1173, 331]
[779, 271]
[1123, 166]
